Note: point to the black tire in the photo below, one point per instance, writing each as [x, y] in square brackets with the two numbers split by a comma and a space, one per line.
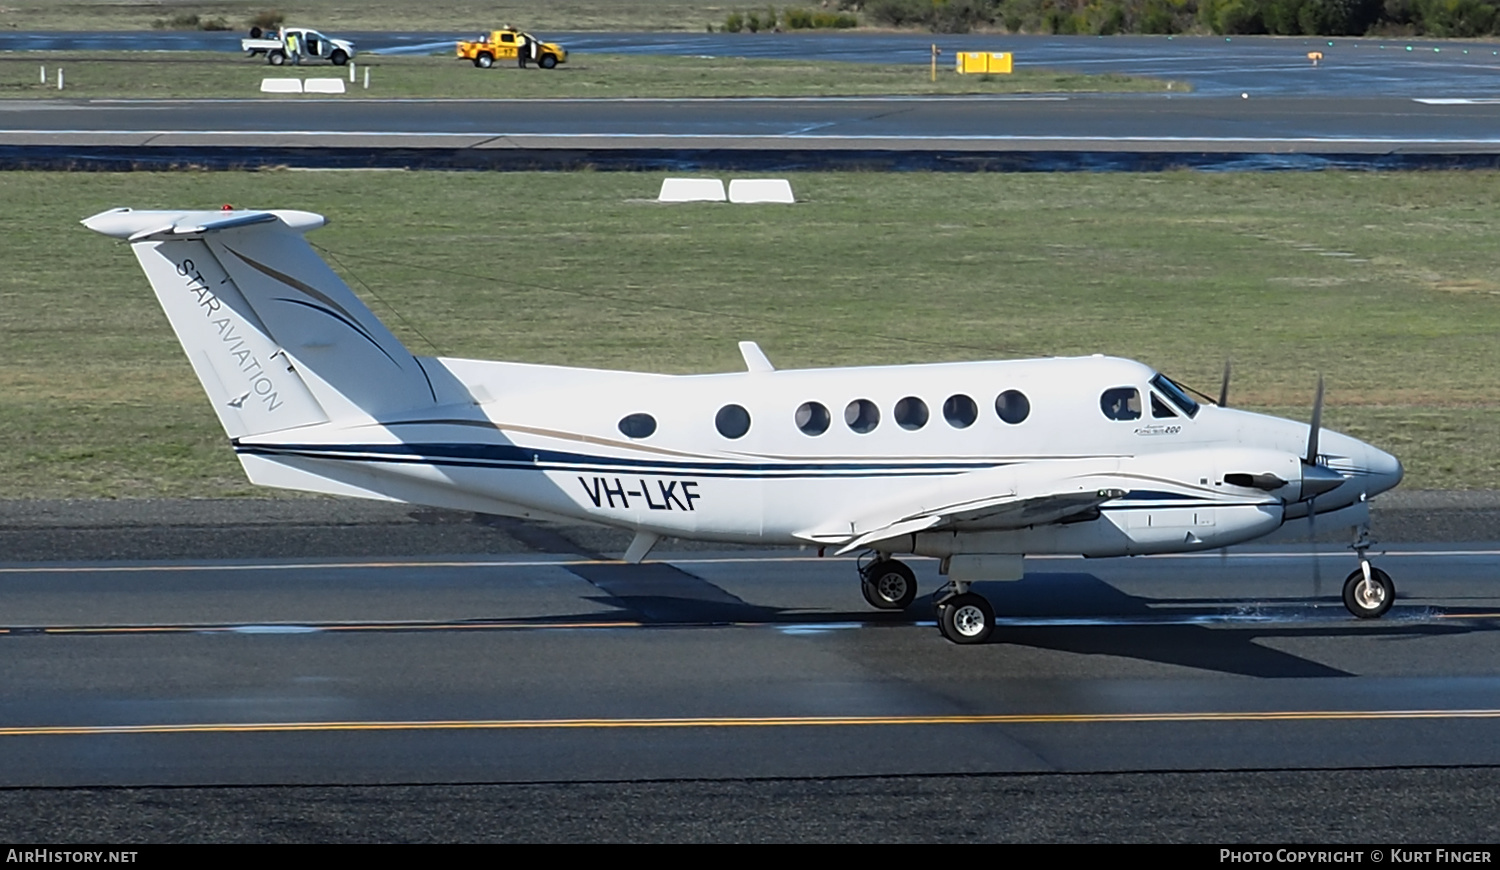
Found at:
[966, 619]
[1369, 600]
[888, 585]
[276, 57]
[339, 57]
[548, 61]
[484, 61]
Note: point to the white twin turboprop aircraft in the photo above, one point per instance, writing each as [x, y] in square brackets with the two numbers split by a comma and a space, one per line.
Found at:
[976, 464]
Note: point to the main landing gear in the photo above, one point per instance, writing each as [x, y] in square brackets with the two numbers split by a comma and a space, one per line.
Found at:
[963, 616]
[888, 584]
[1368, 591]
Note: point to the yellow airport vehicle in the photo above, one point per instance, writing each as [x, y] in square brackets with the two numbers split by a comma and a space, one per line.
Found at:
[511, 44]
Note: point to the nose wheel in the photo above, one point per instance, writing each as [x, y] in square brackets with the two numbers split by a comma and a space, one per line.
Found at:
[1369, 592]
[888, 584]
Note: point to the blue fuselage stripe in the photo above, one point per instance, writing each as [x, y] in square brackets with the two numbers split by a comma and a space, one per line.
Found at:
[469, 455]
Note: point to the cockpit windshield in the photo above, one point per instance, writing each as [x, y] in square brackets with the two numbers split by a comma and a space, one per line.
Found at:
[1175, 394]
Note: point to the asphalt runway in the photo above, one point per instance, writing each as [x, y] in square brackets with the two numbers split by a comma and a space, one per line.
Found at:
[1214, 66]
[1259, 104]
[308, 674]
[966, 134]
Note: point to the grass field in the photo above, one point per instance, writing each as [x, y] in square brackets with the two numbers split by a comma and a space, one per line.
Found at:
[1386, 283]
[215, 74]
[392, 15]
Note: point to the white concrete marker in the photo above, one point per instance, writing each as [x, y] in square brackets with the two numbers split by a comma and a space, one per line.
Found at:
[760, 190]
[351, 72]
[367, 78]
[323, 86]
[281, 86]
[59, 78]
[691, 190]
[44, 74]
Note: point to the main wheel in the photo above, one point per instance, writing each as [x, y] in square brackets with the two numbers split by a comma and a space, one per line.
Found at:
[1369, 599]
[484, 61]
[966, 618]
[339, 57]
[889, 585]
[548, 61]
[276, 57]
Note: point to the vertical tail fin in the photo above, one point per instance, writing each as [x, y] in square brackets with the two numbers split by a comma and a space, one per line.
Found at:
[275, 336]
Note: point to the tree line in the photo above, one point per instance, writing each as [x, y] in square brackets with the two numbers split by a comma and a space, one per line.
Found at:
[1436, 18]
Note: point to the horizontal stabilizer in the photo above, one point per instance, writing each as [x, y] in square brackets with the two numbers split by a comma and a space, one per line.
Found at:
[140, 226]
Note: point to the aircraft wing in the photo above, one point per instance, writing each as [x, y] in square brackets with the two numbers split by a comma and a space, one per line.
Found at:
[994, 514]
[996, 499]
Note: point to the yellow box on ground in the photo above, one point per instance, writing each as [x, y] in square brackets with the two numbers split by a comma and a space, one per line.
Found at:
[970, 62]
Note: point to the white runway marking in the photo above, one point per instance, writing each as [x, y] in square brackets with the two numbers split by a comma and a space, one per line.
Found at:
[564, 562]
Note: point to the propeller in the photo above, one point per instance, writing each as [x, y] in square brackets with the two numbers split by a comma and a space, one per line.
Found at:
[1312, 535]
[1316, 479]
[1224, 388]
[1317, 426]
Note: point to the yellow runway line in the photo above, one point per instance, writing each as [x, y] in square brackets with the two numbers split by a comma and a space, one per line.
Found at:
[752, 722]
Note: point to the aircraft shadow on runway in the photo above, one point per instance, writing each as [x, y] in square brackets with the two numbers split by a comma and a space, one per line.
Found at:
[1066, 612]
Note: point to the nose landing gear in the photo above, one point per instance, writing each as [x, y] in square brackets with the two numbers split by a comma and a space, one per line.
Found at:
[1368, 591]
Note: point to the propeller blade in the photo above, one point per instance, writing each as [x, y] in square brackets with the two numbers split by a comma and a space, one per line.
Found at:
[1224, 387]
[1316, 427]
[1312, 534]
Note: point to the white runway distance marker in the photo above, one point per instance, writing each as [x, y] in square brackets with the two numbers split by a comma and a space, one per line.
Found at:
[760, 190]
[323, 86]
[691, 190]
[281, 86]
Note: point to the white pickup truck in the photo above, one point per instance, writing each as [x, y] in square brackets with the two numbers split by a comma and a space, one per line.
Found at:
[312, 45]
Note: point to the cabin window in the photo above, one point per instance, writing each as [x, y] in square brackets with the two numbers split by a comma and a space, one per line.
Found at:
[911, 413]
[1013, 406]
[960, 411]
[812, 418]
[638, 426]
[1159, 409]
[862, 416]
[1121, 403]
[732, 421]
